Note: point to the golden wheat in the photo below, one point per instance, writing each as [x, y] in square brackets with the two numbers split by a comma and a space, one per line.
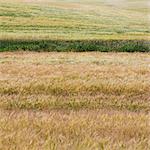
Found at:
[74, 100]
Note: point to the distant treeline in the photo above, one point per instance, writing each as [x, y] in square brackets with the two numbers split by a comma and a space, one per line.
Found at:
[76, 45]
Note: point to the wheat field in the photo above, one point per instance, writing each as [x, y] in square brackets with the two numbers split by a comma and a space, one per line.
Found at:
[74, 101]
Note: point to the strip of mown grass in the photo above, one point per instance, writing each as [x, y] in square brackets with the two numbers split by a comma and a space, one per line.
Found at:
[76, 45]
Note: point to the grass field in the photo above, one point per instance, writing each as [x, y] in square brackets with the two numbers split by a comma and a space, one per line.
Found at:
[74, 101]
[23, 22]
[65, 19]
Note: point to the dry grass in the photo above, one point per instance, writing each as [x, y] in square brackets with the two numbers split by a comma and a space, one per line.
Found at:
[74, 101]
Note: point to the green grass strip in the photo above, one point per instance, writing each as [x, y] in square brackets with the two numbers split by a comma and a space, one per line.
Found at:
[76, 45]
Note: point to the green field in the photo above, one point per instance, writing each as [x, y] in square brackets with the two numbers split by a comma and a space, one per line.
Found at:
[23, 22]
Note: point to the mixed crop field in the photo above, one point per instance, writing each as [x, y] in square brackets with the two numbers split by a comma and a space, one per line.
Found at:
[55, 94]
[73, 25]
